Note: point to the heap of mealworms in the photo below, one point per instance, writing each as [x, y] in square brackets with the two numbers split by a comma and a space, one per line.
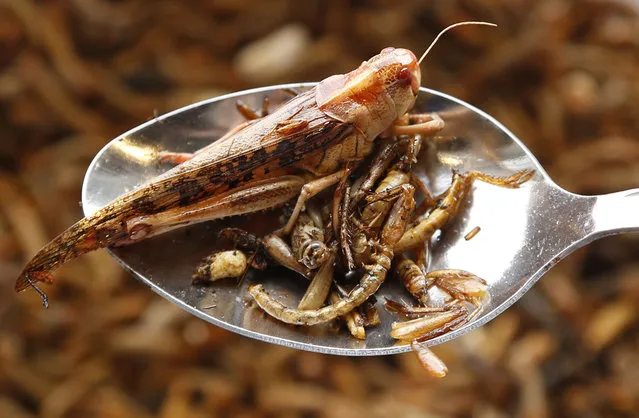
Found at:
[560, 74]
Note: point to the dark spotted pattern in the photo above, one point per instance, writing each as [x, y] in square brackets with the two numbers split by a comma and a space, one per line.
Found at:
[183, 187]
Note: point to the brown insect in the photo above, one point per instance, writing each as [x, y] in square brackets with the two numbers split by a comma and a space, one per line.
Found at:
[307, 241]
[379, 263]
[297, 151]
[264, 251]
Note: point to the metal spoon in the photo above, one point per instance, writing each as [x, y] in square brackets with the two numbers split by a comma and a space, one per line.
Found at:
[524, 232]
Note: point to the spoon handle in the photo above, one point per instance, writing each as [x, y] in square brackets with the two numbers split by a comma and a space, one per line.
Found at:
[616, 213]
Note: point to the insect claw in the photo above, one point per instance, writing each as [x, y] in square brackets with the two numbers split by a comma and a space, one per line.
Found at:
[45, 298]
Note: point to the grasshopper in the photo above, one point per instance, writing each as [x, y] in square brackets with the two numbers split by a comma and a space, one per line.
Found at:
[298, 150]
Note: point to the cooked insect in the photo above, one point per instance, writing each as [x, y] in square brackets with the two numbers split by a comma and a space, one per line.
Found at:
[429, 361]
[248, 243]
[221, 265]
[311, 145]
[375, 273]
[462, 286]
[307, 242]
[414, 279]
[433, 321]
[271, 249]
[297, 150]
[378, 204]
[450, 204]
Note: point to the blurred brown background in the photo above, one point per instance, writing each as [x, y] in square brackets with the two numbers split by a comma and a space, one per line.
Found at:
[563, 75]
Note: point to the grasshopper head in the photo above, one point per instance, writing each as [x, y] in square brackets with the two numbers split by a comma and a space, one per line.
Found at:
[372, 96]
[399, 71]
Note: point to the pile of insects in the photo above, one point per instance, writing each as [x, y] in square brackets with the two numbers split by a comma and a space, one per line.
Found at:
[349, 237]
[313, 144]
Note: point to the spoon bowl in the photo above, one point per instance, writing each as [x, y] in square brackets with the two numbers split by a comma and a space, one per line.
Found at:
[523, 232]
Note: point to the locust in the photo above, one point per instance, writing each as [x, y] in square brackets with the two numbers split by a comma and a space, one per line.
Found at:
[298, 150]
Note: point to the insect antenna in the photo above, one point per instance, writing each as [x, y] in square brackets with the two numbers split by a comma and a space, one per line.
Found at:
[446, 30]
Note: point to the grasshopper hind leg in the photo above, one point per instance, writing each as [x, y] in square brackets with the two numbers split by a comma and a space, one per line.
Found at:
[253, 197]
[309, 190]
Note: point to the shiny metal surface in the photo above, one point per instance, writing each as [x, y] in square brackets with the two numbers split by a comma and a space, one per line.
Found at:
[524, 232]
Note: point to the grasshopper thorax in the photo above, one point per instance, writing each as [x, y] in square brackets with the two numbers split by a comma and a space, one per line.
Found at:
[372, 96]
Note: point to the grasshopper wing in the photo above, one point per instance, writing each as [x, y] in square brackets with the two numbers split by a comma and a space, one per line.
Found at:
[260, 149]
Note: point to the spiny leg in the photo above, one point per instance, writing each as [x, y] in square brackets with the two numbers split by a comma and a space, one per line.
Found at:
[338, 198]
[377, 207]
[344, 229]
[377, 168]
[382, 161]
[389, 194]
[342, 192]
[309, 190]
[511, 182]
[449, 205]
[446, 209]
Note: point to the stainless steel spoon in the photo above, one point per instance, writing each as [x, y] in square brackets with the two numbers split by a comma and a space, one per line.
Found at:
[524, 232]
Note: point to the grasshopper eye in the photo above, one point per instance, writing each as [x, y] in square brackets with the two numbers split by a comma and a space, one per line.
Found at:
[405, 76]
[410, 77]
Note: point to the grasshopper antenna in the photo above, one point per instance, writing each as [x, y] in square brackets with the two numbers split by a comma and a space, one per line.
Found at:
[446, 30]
